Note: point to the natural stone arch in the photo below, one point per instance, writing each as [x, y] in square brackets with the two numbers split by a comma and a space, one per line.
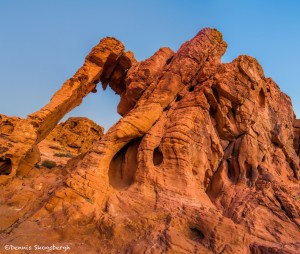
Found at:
[107, 62]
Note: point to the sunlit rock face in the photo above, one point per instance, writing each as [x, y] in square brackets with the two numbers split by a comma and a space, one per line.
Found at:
[204, 160]
[78, 134]
[107, 62]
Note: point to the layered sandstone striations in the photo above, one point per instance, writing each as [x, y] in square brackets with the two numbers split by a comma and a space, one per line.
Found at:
[203, 161]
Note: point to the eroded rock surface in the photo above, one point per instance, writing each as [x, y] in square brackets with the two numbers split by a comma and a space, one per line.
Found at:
[297, 136]
[77, 134]
[203, 161]
[69, 139]
[107, 62]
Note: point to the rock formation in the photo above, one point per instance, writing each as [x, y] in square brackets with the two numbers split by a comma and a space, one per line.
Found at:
[204, 160]
[297, 136]
[77, 134]
[69, 139]
[107, 62]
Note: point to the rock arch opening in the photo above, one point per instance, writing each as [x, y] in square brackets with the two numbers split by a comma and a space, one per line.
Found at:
[261, 98]
[5, 166]
[191, 89]
[123, 166]
[99, 107]
[157, 156]
[196, 234]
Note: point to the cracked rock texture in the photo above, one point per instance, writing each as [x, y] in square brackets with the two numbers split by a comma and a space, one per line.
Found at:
[69, 139]
[77, 134]
[204, 160]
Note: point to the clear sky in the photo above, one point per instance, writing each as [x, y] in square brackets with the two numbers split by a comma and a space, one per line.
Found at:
[43, 43]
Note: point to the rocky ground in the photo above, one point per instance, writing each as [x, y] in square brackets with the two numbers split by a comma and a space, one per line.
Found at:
[204, 160]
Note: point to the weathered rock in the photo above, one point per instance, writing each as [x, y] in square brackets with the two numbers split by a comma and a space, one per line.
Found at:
[69, 139]
[17, 139]
[203, 161]
[140, 76]
[297, 136]
[77, 134]
[19, 136]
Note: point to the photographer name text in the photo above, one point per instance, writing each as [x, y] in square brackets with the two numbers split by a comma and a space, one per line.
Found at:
[46, 248]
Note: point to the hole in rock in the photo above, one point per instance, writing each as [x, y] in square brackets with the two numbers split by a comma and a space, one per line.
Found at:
[249, 171]
[261, 98]
[212, 111]
[123, 166]
[191, 89]
[196, 234]
[157, 156]
[169, 60]
[167, 108]
[233, 112]
[5, 166]
[178, 98]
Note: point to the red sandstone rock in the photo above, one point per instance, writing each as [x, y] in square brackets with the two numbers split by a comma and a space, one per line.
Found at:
[18, 137]
[203, 161]
[69, 139]
[140, 76]
[297, 136]
[77, 134]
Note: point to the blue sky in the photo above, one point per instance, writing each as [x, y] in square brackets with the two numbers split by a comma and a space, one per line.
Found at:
[43, 43]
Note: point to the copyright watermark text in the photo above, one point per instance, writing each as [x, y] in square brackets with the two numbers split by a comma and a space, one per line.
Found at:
[46, 248]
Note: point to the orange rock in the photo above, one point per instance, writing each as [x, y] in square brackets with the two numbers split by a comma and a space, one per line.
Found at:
[297, 136]
[19, 137]
[69, 139]
[77, 134]
[140, 76]
[203, 161]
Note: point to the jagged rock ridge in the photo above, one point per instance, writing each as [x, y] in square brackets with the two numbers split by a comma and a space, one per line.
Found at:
[203, 161]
